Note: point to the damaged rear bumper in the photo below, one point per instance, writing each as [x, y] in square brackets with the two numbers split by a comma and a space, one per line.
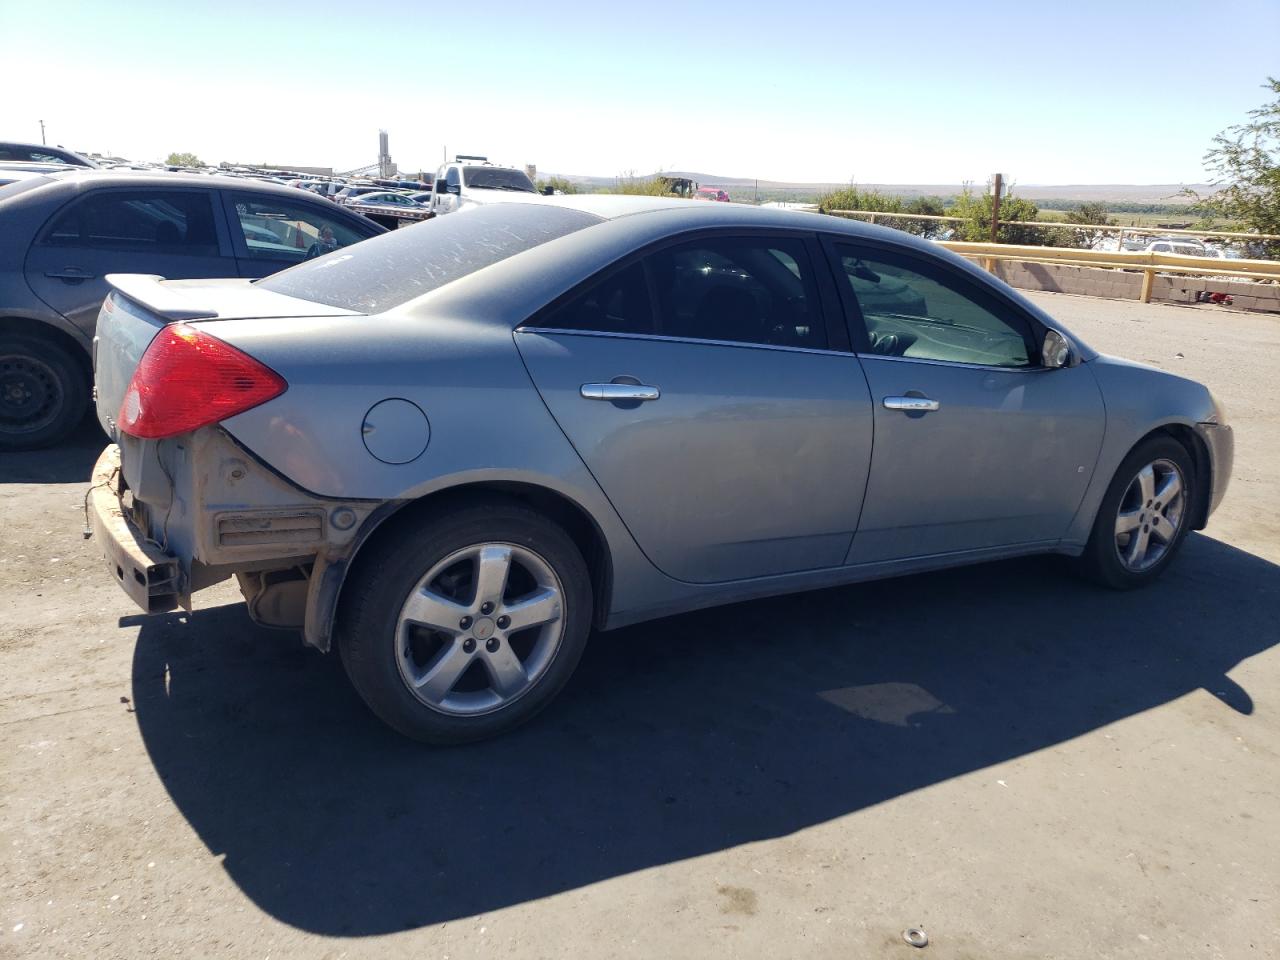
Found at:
[151, 577]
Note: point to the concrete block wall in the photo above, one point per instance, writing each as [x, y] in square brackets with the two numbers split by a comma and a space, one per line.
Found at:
[1125, 285]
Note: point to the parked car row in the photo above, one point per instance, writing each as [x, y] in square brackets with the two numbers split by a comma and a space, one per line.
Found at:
[67, 226]
[64, 233]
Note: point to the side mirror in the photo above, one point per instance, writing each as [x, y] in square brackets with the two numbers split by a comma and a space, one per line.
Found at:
[1055, 352]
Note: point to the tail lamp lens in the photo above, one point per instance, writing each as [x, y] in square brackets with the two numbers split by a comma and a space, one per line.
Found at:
[188, 379]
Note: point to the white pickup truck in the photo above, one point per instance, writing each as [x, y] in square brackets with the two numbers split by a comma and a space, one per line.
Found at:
[470, 181]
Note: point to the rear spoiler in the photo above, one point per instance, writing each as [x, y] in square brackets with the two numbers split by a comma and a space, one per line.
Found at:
[166, 302]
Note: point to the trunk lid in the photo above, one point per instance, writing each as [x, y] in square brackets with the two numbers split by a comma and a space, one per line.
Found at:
[140, 306]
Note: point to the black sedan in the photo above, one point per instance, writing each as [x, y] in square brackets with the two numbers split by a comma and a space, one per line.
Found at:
[60, 235]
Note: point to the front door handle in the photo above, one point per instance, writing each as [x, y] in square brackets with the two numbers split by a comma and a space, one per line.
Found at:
[69, 273]
[619, 391]
[911, 404]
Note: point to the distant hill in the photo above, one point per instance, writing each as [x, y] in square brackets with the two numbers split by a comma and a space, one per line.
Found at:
[745, 187]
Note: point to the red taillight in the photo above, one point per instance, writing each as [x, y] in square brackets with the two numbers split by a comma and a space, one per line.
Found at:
[188, 379]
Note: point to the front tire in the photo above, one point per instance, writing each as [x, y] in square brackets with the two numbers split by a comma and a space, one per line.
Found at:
[467, 627]
[1144, 516]
[44, 392]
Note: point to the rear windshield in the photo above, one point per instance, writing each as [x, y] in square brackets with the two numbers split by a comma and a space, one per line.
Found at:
[391, 269]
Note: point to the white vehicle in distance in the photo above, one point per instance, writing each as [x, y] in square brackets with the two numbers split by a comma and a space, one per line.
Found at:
[1182, 247]
[472, 181]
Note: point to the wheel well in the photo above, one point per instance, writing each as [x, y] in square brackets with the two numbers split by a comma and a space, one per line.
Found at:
[1200, 460]
[570, 517]
[40, 330]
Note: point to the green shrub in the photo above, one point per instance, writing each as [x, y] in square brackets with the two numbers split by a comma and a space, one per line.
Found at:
[873, 201]
[975, 212]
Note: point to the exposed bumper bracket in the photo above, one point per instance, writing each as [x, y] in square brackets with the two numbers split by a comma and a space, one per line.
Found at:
[151, 577]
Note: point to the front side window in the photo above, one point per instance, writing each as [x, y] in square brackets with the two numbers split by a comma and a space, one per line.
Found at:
[154, 221]
[283, 230]
[748, 290]
[913, 310]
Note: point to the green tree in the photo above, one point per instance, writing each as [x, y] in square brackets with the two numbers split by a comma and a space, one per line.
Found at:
[183, 160]
[933, 207]
[1244, 162]
[1091, 213]
[873, 201]
[557, 183]
[976, 214]
[631, 183]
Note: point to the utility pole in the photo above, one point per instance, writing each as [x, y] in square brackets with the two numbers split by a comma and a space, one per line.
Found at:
[998, 187]
[42, 140]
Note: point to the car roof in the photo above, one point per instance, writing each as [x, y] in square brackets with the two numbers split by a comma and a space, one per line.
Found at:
[162, 178]
[685, 214]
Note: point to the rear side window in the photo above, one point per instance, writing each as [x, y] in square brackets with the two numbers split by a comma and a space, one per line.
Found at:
[618, 303]
[154, 221]
[742, 290]
[748, 290]
[284, 230]
[392, 269]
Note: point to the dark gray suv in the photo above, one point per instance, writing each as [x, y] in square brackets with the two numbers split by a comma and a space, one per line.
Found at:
[60, 235]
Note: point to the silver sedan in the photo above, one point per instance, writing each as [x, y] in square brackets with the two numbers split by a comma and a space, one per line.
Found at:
[452, 451]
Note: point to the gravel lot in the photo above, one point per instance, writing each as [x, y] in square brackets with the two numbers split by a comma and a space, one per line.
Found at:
[1019, 763]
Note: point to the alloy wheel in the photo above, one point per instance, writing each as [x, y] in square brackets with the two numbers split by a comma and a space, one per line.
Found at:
[1150, 514]
[480, 629]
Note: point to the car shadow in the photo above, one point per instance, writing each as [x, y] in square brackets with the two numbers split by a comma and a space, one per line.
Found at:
[71, 461]
[676, 738]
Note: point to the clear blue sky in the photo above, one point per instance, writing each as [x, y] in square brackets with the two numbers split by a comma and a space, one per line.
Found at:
[1049, 93]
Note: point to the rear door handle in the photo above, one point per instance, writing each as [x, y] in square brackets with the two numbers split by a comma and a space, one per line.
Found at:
[69, 273]
[619, 391]
[911, 404]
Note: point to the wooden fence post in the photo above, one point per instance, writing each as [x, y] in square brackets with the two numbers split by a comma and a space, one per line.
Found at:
[998, 186]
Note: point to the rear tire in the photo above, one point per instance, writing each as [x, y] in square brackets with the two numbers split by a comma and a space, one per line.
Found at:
[44, 392]
[1144, 517]
[467, 626]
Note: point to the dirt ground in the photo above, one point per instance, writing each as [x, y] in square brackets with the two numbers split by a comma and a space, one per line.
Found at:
[1021, 764]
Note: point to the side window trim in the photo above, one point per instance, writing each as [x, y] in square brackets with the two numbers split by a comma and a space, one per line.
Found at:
[938, 271]
[827, 305]
[233, 225]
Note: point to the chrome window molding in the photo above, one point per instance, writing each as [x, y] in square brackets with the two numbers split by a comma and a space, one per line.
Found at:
[665, 339]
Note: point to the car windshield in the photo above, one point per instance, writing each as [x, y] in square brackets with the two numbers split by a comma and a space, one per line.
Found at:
[392, 269]
[497, 178]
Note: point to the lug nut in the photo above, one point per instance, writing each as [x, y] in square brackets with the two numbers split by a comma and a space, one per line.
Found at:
[492, 645]
[486, 608]
[464, 623]
[504, 622]
[468, 645]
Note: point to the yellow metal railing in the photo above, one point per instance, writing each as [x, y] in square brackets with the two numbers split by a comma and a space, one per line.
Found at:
[872, 215]
[1148, 263]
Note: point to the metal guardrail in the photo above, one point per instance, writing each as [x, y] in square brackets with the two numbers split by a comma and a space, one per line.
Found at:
[1149, 264]
[1059, 225]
